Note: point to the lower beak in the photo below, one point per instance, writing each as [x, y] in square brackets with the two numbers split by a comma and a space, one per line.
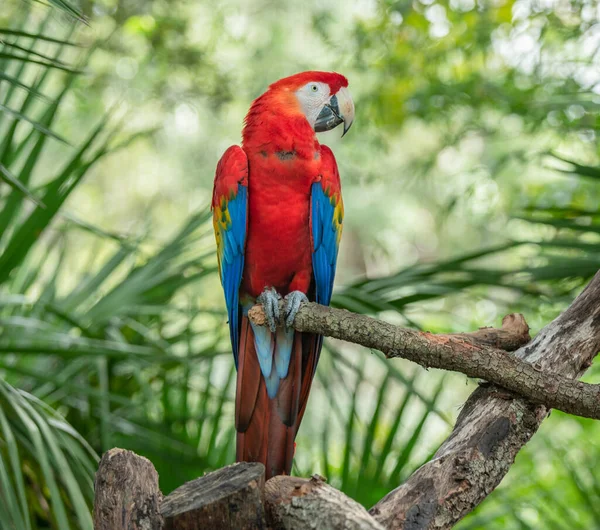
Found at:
[339, 109]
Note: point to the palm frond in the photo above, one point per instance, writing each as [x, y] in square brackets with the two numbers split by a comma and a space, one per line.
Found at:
[43, 463]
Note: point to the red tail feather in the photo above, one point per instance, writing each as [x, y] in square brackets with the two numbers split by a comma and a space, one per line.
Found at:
[267, 427]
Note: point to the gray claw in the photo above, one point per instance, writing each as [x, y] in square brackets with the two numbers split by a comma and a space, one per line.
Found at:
[270, 302]
[291, 304]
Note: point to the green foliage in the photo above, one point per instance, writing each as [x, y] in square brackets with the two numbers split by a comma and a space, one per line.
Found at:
[97, 350]
[39, 452]
[365, 448]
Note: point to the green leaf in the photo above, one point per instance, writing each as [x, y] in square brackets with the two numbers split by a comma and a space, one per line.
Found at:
[14, 183]
[47, 64]
[35, 36]
[36, 125]
[67, 7]
[16, 82]
[31, 428]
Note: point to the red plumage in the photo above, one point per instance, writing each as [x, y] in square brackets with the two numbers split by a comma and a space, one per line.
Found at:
[284, 159]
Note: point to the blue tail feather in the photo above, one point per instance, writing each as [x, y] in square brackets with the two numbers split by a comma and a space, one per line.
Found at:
[269, 346]
[283, 350]
[264, 343]
[272, 383]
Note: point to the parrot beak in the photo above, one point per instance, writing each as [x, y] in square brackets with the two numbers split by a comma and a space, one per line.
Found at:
[339, 109]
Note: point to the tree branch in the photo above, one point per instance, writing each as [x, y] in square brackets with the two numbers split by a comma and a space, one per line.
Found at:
[465, 353]
[492, 427]
[494, 424]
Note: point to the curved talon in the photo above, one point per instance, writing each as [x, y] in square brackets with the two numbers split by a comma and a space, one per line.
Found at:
[269, 299]
[291, 304]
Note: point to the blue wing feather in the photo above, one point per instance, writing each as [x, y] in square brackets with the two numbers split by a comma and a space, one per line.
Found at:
[232, 261]
[325, 234]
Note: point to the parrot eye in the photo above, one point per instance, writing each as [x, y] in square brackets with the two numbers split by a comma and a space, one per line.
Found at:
[314, 88]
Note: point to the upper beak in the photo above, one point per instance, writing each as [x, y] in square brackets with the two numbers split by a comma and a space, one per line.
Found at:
[340, 108]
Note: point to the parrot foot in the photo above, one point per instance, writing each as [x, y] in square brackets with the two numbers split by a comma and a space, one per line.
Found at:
[291, 304]
[270, 302]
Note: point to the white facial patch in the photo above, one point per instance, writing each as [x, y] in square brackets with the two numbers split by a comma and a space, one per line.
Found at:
[312, 98]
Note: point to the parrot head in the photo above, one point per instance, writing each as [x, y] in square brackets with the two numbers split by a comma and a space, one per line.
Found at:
[322, 97]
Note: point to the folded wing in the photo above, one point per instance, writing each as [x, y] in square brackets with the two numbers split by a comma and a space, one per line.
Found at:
[230, 210]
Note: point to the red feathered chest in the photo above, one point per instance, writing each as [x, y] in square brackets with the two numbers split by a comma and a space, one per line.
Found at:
[278, 245]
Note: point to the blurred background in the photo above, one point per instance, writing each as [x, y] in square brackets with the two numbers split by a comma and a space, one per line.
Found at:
[471, 186]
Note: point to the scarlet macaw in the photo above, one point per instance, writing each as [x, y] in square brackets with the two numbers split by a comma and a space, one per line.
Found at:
[277, 215]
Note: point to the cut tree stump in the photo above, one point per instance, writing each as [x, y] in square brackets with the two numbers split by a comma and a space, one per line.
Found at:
[127, 496]
[293, 503]
[232, 498]
[227, 499]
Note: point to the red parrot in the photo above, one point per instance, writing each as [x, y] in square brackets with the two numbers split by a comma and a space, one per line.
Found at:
[277, 215]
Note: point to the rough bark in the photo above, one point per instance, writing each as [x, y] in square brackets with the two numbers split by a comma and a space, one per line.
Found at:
[227, 499]
[127, 496]
[493, 426]
[547, 385]
[513, 334]
[294, 503]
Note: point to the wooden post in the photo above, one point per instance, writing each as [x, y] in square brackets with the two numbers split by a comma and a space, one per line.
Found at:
[227, 499]
[127, 496]
[294, 503]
